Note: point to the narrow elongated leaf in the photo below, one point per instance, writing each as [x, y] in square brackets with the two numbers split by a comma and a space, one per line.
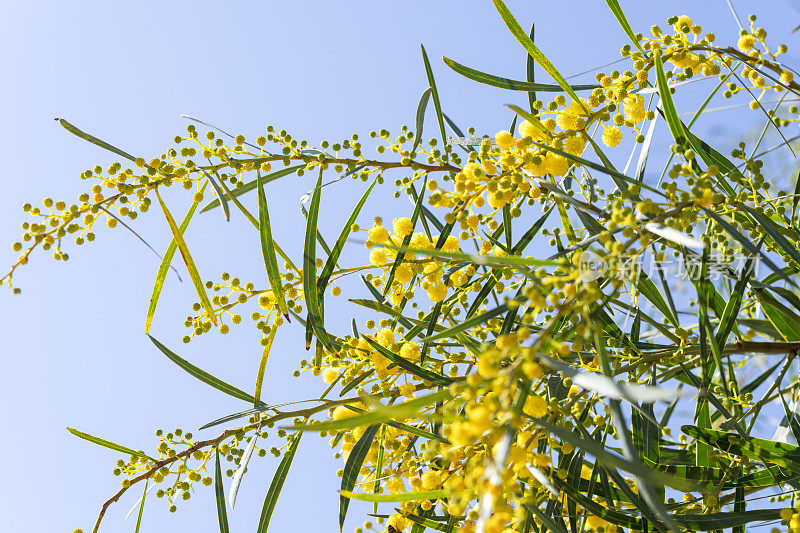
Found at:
[220, 195]
[406, 497]
[202, 375]
[470, 323]
[779, 453]
[670, 113]
[263, 364]
[530, 69]
[250, 185]
[731, 311]
[108, 444]
[352, 467]
[141, 506]
[775, 234]
[380, 414]
[406, 428]
[268, 248]
[188, 261]
[222, 512]
[333, 257]
[435, 93]
[405, 364]
[276, 485]
[420, 118]
[310, 270]
[626, 27]
[505, 83]
[748, 245]
[94, 140]
[533, 50]
[244, 461]
[161, 276]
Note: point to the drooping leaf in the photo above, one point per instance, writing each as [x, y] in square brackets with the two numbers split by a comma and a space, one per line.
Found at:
[276, 485]
[237, 476]
[310, 271]
[161, 276]
[250, 185]
[352, 467]
[188, 261]
[222, 512]
[202, 375]
[505, 83]
[420, 118]
[403, 497]
[405, 364]
[268, 249]
[435, 93]
[108, 444]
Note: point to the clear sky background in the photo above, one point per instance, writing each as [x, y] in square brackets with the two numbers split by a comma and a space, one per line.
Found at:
[72, 346]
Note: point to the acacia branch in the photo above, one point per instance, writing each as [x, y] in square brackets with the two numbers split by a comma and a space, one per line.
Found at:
[158, 465]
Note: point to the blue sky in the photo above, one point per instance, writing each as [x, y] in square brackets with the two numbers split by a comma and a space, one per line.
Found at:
[73, 348]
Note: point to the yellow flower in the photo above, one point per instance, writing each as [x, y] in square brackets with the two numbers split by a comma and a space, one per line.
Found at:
[612, 136]
[407, 390]
[527, 129]
[504, 140]
[574, 145]
[536, 406]
[411, 351]
[378, 235]
[634, 107]
[329, 375]
[746, 43]
[556, 165]
[402, 227]
[436, 291]
[403, 274]
[378, 256]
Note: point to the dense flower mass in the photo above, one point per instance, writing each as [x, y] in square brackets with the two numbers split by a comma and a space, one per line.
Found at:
[523, 368]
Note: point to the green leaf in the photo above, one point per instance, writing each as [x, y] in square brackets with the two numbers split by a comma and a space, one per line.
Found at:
[404, 497]
[786, 321]
[405, 364]
[407, 428]
[731, 311]
[310, 272]
[406, 409]
[108, 444]
[533, 50]
[775, 234]
[435, 93]
[505, 83]
[268, 249]
[670, 113]
[94, 140]
[748, 245]
[250, 185]
[353, 465]
[141, 506]
[161, 276]
[188, 261]
[530, 67]
[220, 195]
[262, 366]
[202, 375]
[333, 257]
[617, 10]
[222, 512]
[420, 118]
[470, 323]
[276, 485]
[779, 453]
